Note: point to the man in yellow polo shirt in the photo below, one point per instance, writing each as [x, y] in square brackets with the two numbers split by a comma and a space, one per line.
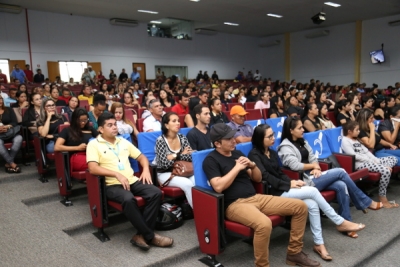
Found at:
[108, 156]
[86, 94]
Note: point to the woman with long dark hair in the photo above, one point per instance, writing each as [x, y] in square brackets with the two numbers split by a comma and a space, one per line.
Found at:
[323, 116]
[165, 100]
[170, 147]
[263, 101]
[373, 140]
[296, 154]
[276, 108]
[267, 161]
[380, 106]
[7, 122]
[76, 137]
[217, 116]
[343, 112]
[310, 120]
[48, 123]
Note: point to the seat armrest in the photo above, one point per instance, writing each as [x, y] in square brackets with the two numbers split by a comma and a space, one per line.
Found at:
[294, 175]
[153, 171]
[261, 187]
[63, 172]
[347, 162]
[325, 165]
[96, 188]
[209, 214]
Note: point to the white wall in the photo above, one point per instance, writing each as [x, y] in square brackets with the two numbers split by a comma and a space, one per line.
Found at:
[272, 59]
[63, 37]
[329, 58]
[374, 33]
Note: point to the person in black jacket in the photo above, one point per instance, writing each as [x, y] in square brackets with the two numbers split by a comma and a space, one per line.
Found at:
[217, 116]
[32, 113]
[267, 161]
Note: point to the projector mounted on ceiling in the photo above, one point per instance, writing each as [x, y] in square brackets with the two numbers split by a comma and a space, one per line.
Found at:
[124, 22]
[10, 8]
[319, 18]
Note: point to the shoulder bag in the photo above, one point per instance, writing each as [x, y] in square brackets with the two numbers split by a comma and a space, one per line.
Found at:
[180, 168]
[13, 131]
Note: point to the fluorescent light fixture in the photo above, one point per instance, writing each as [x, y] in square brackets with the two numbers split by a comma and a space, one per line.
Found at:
[231, 24]
[148, 11]
[155, 22]
[195, 0]
[332, 4]
[274, 15]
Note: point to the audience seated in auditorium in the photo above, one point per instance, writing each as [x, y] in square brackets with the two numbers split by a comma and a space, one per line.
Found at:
[379, 108]
[244, 132]
[292, 108]
[296, 154]
[389, 129]
[124, 124]
[86, 94]
[267, 161]
[231, 173]
[216, 113]
[55, 97]
[322, 98]
[153, 122]
[99, 106]
[75, 138]
[323, 117]
[311, 123]
[170, 147]
[9, 134]
[199, 136]
[343, 112]
[365, 159]
[367, 102]
[122, 185]
[165, 99]
[372, 139]
[263, 101]
[48, 122]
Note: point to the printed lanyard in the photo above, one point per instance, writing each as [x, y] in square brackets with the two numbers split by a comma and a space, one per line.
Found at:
[116, 154]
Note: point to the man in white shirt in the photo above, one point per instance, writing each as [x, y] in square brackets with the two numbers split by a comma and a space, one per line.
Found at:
[91, 72]
[257, 76]
[153, 122]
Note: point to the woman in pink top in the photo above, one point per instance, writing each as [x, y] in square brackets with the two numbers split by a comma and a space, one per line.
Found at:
[263, 101]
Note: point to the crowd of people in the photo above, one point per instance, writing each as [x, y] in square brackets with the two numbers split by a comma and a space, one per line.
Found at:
[203, 103]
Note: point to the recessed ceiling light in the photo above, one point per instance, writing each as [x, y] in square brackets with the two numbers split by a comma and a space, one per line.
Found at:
[274, 15]
[231, 24]
[155, 22]
[148, 11]
[332, 4]
[195, 0]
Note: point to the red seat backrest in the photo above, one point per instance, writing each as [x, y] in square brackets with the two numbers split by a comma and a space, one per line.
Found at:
[331, 116]
[166, 109]
[249, 105]
[254, 114]
[140, 124]
[129, 115]
[59, 108]
[84, 104]
[62, 127]
[230, 105]
[228, 114]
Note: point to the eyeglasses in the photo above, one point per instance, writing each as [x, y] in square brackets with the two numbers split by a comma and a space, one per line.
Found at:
[271, 136]
[50, 106]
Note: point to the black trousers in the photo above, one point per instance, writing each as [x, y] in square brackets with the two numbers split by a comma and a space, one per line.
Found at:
[144, 222]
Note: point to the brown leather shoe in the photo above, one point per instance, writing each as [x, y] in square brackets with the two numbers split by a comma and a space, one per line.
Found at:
[161, 241]
[301, 259]
[139, 241]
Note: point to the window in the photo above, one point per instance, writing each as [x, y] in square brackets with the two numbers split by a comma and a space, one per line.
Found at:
[170, 28]
[71, 69]
[4, 67]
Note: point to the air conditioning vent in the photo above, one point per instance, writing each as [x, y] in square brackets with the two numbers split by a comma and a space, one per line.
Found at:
[10, 8]
[205, 31]
[394, 23]
[124, 22]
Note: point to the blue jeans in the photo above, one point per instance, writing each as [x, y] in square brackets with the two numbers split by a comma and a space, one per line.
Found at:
[387, 153]
[338, 180]
[50, 147]
[315, 201]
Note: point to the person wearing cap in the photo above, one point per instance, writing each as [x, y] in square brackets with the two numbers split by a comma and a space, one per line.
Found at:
[244, 132]
[231, 173]
[91, 72]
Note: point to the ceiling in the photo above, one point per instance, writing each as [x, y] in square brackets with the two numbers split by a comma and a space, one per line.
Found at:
[211, 14]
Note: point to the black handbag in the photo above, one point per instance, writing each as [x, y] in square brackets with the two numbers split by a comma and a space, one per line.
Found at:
[332, 161]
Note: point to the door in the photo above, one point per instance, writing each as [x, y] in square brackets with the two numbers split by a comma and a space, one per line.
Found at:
[96, 66]
[141, 68]
[53, 70]
[11, 64]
